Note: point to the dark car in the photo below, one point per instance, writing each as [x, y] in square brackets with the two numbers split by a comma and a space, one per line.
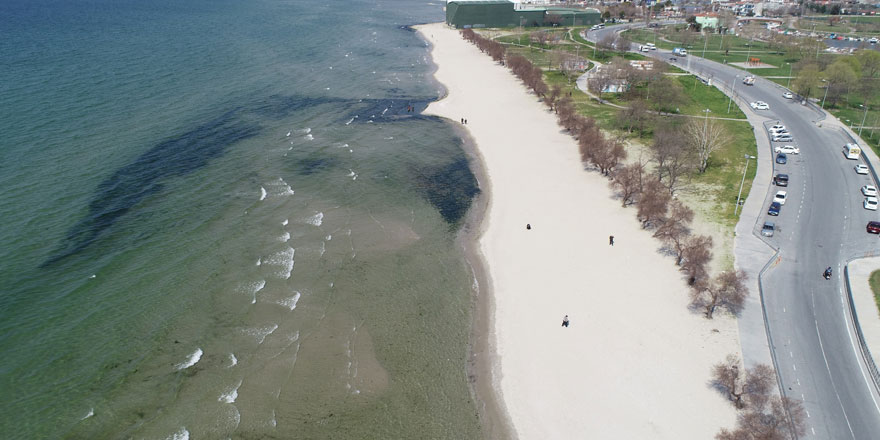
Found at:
[781, 158]
[774, 208]
[768, 228]
[873, 227]
[781, 179]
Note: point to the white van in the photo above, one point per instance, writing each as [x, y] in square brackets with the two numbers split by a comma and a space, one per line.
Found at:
[651, 46]
[852, 151]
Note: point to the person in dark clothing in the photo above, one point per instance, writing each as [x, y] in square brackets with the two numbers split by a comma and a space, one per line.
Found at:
[565, 321]
[529, 226]
[611, 240]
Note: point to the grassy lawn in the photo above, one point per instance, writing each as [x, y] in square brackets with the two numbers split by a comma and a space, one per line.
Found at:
[700, 97]
[874, 280]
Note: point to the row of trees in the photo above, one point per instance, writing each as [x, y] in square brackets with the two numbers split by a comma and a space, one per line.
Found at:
[491, 47]
[832, 78]
[762, 415]
[660, 91]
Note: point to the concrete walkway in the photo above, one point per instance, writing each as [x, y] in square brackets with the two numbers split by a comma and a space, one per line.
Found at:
[863, 298]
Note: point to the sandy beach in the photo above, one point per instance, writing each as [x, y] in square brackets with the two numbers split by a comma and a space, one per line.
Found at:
[635, 362]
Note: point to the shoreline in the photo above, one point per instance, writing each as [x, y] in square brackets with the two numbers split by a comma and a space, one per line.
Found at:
[482, 364]
[635, 361]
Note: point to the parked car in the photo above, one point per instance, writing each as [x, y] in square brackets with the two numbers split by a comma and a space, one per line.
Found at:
[869, 190]
[782, 137]
[769, 227]
[781, 158]
[787, 95]
[781, 180]
[776, 127]
[873, 40]
[780, 197]
[787, 149]
[873, 227]
[861, 169]
[778, 131]
[870, 203]
[775, 207]
[760, 105]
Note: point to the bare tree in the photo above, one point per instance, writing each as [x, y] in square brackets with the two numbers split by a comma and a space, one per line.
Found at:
[665, 93]
[551, 98]
[540, 37]
[742, 386]
[628, 180]
[675, 229]
[727, 290]
[697, 253]
[635, 117]
[607, 154]
[781, 419]
[606, 44]
[653, 202]
[673, 159]
[622, 44]
[704, 137]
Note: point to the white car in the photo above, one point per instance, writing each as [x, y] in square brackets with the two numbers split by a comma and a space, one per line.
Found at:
[787, 149]
[774, 132]
[861, 169]
[870, 203]
[787, 95]
[760, 105]
[782, 137]
[776, 127]
[869, 190]
[780, 197]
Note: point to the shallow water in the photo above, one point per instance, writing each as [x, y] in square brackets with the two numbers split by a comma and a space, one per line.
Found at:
[221, 221]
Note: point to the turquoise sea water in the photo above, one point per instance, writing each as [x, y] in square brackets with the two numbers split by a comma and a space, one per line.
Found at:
[220, 220]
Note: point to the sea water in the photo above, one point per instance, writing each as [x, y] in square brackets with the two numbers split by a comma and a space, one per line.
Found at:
[227, 219]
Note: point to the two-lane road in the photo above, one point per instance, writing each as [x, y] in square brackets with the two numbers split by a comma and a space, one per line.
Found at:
[821, 224]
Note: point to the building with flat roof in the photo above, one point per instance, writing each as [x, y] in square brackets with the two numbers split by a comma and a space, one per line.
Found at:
[503, 13]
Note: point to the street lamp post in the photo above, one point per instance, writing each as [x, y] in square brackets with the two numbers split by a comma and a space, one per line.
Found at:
[741, 184]
[863, 120]
[706, 41]
[827, 86]
[790, 70]
[706, 126]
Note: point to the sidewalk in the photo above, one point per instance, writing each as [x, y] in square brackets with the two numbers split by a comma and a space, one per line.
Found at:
[863, 299]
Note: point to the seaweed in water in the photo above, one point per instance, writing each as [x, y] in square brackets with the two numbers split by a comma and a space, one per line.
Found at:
[129, 185]
[450, 188]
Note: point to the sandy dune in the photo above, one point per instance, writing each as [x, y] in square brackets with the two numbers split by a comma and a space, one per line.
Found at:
[635, 363]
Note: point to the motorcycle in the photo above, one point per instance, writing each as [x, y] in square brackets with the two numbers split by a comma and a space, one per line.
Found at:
[827, 274]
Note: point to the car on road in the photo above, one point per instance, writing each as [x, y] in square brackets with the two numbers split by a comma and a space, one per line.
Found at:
[873, 40]
[870, 203]
[781, 179]
[775, 207]
[787, 95]
[869, 190]
[769, 227]
[861, 169]
[651, 46]
[873, 227]
[781, 137]
[776, 127]
[777, 131]
[780, 197]
[760, 105]
[749, 80]
[787, 149]
[781, 158]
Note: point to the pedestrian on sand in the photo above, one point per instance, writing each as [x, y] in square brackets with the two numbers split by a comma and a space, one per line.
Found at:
[565, 321]
[529, 226]
[611, 240]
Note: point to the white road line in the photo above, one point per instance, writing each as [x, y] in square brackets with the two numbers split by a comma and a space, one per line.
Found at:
[833, 385]
[794, 367]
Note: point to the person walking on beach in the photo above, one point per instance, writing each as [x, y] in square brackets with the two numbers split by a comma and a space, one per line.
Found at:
[565, 321]
[529, 226]
[611, 240]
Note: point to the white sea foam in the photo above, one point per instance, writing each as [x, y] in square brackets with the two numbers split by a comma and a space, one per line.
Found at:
[262, 193]
[349, 121]
[310, 137]
[306, 130]
[284, 223]
[88, 414]
[253, 288]
[181, 434]
[328, 237]
[259, 261]
[260, 333]
[288, 134]
[352, 174]
[279, 188]
[316, 219]
[191, 360]
[230, 394]
[389, 138]
[285, 260]
[290, 303]
[284, 237]
[93, 276]
[233, 361]
[323, 248]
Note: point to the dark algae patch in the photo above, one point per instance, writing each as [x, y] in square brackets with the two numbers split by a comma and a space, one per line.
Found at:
[450, 188]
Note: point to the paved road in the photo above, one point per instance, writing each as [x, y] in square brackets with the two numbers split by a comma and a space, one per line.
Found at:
[821, 224]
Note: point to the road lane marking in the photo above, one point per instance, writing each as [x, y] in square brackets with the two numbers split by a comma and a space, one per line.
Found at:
[856, 352]
[833, 385]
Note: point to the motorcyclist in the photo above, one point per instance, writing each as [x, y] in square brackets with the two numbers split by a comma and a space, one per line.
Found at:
[827, 273]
